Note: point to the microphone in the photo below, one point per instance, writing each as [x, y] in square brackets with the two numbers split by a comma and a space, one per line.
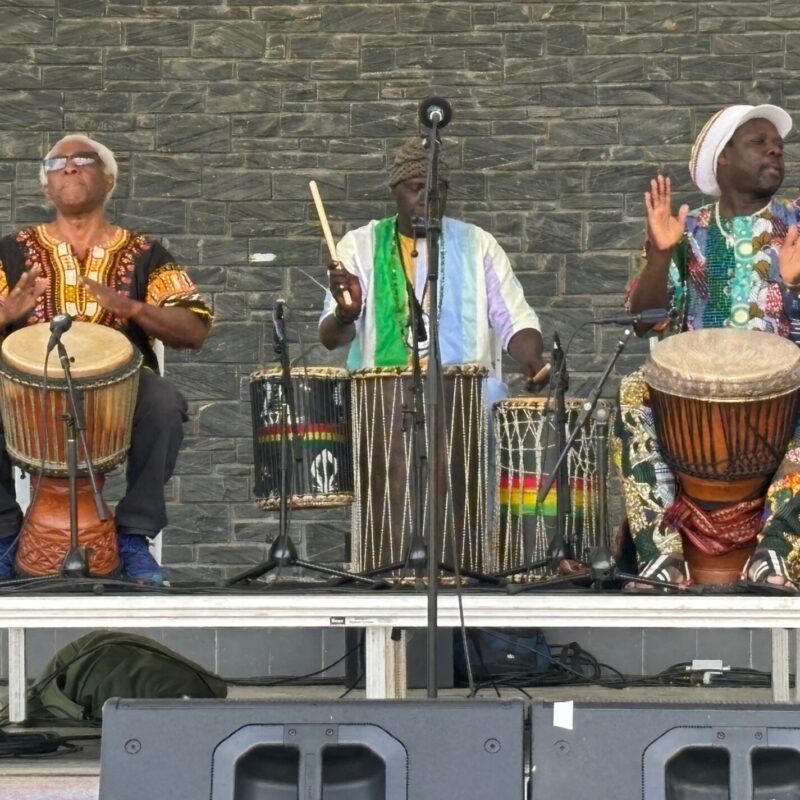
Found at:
[59, 324]
[435, 110]
[419, 227]
[419, 314]
[650, 316]
[278, 310]
[556, 359]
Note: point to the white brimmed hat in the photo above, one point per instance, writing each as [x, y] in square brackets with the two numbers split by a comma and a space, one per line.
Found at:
[718, 131]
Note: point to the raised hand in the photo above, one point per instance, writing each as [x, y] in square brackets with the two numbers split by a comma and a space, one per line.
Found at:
[789, 257]
[664, 230]
[23, 297]
[340, 280]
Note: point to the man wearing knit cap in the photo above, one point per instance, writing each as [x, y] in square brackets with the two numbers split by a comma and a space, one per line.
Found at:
[733, 263]
[482, 310]
[482, 304]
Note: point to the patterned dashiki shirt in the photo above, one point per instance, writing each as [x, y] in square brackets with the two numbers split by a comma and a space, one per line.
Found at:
[130, 263]
[724, 273]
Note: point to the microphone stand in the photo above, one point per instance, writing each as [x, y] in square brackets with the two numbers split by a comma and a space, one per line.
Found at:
[75, 563]
[587, 409]
[282, 551]
[563, 500]
[432, 399]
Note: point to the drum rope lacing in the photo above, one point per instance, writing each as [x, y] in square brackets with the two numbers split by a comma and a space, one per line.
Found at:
[522, 430]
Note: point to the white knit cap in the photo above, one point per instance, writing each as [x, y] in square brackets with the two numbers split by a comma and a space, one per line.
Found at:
[718, 131]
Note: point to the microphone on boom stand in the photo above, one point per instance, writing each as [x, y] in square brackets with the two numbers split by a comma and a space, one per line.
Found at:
[59, 325]
[435, 111]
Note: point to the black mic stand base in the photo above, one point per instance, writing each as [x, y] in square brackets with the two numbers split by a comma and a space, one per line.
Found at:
[557, 551]
[283, 553]
[75, 564]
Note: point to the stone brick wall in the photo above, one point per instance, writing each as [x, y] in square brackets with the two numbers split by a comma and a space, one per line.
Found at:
[220, 113]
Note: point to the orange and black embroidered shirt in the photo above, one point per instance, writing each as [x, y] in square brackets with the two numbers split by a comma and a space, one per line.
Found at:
[131, 263]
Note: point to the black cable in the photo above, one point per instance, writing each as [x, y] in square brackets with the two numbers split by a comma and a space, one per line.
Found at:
[293, 679]
[34, 745]
[352, 686]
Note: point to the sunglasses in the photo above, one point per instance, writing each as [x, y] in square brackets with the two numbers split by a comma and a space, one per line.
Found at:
[57, 163]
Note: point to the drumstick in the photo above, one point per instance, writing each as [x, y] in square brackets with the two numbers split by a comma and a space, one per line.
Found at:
[541, 374]
[326, 231]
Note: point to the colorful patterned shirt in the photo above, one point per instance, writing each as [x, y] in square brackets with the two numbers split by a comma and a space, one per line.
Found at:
[130, 263]
[724, 273]
[481, 303]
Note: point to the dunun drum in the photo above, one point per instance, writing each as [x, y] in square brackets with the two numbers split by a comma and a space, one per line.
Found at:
[724, 403]
[383, 403]
[324, 474]
[526, 449]
[105, 372]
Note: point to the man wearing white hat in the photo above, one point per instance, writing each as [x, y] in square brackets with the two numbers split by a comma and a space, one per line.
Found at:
[732, 263]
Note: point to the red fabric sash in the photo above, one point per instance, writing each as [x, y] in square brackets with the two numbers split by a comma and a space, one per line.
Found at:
[719, 531]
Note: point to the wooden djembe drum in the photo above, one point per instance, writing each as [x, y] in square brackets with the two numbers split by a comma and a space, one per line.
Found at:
[105, 372]
[725, 405]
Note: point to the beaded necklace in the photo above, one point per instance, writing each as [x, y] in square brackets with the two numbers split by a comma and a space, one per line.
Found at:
[740, 241]
[730, 238]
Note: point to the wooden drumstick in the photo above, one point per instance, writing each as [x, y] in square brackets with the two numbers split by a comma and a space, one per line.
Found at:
[326, 231]
[541, 374]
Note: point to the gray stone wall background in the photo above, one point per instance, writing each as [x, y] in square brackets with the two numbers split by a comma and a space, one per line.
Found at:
[220, 113]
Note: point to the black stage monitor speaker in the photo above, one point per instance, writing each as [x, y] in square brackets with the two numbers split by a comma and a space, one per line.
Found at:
[361, 750]
[654, 751]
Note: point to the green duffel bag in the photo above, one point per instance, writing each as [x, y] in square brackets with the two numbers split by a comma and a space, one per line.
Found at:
[103, 664]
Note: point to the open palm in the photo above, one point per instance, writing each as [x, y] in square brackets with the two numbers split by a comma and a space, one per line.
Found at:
[789, 257]
[664, 230]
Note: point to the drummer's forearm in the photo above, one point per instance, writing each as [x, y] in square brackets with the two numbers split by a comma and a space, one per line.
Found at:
[334, 333]
[176, 327]
[651, 288]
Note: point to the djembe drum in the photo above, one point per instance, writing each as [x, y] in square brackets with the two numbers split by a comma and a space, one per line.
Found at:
[382, 454]
[323, 475]
[724, 403]
[526, 449]
[105, 372]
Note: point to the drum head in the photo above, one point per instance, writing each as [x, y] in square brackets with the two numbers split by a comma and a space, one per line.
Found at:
[724, 365]
[94, 349]
[456, 370]
[323, 373]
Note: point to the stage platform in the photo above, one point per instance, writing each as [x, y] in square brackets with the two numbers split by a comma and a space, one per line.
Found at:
[381, 612]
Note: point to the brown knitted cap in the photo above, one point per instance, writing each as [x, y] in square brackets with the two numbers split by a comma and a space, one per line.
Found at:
[411, 161]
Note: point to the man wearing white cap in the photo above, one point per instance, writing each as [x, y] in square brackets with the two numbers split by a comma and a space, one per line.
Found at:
[732, 263]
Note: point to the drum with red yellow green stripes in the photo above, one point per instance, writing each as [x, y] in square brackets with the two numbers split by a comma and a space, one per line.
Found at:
[526, 450]
[318, 438]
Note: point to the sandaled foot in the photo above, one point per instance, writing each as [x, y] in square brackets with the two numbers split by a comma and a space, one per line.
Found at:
[766, 566]
[664, 569]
